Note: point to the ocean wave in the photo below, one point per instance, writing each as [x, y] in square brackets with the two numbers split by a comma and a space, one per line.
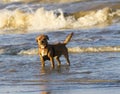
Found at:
[42, 1]
[29, 52]
[94, 49]
[34, 51]
[2, 51]
[77, 50]
[42, 19]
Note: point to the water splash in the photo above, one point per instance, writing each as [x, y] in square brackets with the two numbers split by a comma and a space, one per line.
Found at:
[16, 19]
[42, 19]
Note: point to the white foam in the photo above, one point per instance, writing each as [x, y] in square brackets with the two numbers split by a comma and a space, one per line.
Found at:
[42, 19]
[29, 52]
[95, 49]
[13, 19]
[94, 18]
[77, 50]
[2, 51]
[14, 0]
[44, 1]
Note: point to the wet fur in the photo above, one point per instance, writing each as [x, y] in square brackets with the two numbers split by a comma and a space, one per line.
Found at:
[50, 51]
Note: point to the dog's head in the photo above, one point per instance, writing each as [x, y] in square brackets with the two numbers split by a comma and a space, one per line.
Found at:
[42, 41]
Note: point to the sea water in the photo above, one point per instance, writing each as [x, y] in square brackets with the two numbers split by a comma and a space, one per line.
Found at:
[94, 49]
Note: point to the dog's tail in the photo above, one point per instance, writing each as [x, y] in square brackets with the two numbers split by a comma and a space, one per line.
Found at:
[68, 38]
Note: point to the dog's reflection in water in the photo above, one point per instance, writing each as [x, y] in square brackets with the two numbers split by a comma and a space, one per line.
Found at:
[47, 74]
[58, 69]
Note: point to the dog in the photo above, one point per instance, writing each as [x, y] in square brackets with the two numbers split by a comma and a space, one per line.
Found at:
[48, 51]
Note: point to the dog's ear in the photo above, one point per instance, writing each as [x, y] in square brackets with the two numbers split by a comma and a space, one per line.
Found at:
[47, 37]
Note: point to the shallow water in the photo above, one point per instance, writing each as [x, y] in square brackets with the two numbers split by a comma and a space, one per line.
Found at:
[88, 72]
[94, 50]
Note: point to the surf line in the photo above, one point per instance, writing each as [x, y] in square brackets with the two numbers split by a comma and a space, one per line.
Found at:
[34, 51]
[94, 49]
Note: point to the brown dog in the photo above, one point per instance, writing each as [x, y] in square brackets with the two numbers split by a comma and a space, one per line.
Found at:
[49, 51]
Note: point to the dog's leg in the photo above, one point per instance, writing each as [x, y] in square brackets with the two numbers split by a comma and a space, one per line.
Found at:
[67, 58]
[42, 61]
[58, 60]
[52, 62]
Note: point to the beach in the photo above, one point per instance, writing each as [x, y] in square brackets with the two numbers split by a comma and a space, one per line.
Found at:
[94, 49]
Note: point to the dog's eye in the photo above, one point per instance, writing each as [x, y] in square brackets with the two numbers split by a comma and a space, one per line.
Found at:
[42, 41]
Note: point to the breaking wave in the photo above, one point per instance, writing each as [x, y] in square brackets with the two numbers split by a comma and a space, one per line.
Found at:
[42, 1]
[2, 51]
[29, 52]
[77, 50]
[42, 19]
[95, 49]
